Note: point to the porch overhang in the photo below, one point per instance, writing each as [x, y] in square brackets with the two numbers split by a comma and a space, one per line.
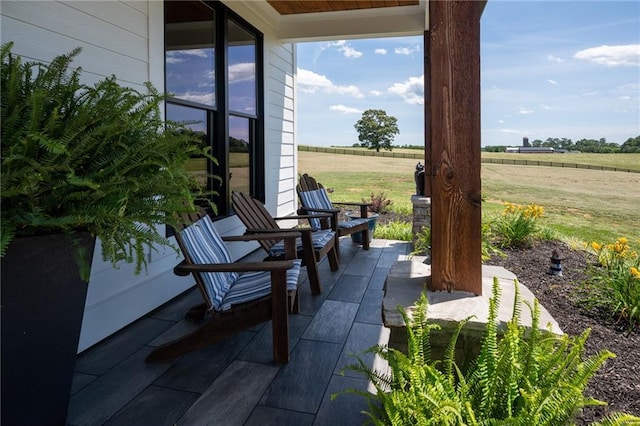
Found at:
[300, 21]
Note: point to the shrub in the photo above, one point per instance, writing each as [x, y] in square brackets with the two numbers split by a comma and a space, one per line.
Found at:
[518, 224]
[519, 379]
[379, 203]
[614, 282]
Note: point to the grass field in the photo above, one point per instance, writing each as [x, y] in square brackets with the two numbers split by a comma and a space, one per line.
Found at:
[581, 204]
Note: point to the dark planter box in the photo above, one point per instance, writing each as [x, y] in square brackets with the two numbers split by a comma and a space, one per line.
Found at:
[43, 302]
[356, 237]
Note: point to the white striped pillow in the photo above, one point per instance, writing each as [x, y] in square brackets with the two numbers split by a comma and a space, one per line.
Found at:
[204, 245]
[316, 199]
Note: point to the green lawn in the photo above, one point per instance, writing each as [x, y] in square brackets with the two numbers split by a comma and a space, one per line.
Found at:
[583, 204]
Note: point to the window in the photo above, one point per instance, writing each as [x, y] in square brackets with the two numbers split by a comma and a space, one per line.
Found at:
[213, 77]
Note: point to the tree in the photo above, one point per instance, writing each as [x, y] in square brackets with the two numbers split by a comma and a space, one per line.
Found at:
[631, 145]
[377, 130]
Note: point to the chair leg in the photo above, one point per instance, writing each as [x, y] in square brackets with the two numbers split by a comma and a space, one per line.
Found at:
[310, 262]
[337, 244]
[294, 302]
[333, 258]
[280, 316]
[365, 239]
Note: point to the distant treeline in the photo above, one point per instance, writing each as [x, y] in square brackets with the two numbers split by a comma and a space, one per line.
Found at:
[600, 146]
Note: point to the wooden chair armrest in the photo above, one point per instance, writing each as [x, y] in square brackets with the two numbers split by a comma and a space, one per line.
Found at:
[344, 203]
[274, 265]
[364, 207]
[264, 234]
[288, 236]
[301, 231]
[331, 216]
[305, 216]
[313, 209]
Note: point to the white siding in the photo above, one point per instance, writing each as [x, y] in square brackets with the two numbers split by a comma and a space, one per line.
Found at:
[279, 123]
[125, 38]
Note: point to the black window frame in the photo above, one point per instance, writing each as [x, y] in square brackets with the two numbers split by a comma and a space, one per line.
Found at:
[218, 115]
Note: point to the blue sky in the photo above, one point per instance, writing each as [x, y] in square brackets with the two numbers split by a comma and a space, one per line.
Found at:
[558, 69]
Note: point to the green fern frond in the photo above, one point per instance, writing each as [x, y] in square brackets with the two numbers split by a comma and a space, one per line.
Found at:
[98, 158]
[524, 378]
[619, 419]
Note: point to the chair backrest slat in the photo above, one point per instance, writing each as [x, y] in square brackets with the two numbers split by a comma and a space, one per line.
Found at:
[308, 183]
[254, 215]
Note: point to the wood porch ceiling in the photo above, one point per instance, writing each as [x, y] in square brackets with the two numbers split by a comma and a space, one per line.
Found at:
[292, 7]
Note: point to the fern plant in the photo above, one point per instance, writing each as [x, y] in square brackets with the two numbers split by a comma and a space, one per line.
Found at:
[519, 378]
[93, 158]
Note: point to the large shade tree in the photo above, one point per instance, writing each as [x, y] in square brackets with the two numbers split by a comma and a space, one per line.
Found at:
[377, 130]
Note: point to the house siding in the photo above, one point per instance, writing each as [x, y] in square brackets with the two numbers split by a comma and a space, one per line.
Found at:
[126, 39]
[279, 123]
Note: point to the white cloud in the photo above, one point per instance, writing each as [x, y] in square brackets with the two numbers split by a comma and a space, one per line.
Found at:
[555, 59]
[406, 50]
[242, 72]
[612, 56]
[206, 98]
[510, 131]
[546, 107]
[346, 49]
[345, 90]
[523, 110]
[376, 93]
[178, 56]
[501, 121]
[342, 109]
[555, 83]
[411, 90]
[310, 82]
[380, 51]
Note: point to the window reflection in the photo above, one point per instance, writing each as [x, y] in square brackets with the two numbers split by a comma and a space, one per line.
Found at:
[241, 70]
[239, 154]
[227, 119]
[190, 51]
[195, 120]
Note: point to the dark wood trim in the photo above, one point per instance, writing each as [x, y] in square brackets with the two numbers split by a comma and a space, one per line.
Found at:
[427, 122]
[454, 144]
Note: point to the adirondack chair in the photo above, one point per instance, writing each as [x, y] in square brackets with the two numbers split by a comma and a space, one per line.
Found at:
[237, 295]
[314, 199]
[312, 246]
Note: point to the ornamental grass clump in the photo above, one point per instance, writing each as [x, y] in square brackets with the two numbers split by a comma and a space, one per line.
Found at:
[521, 376]
[518, 225]
[614, 281]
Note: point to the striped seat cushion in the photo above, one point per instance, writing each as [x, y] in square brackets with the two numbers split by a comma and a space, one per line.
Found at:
[316, 199]
[319, 240]
[253, 285]
[351, 223]
[204, 245]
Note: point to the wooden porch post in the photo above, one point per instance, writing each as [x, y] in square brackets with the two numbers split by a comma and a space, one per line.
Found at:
[452, 143]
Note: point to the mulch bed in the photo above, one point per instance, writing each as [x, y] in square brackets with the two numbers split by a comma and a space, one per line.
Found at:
[618, 381]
